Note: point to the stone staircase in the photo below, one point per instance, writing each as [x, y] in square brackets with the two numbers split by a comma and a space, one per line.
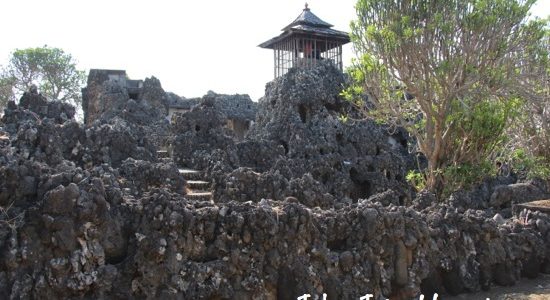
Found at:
[163, 153]
[198, 187]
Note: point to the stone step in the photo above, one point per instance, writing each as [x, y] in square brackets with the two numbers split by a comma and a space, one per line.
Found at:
[199, 196]
[163, 154]
[539, 205]
[190, 174]
[198, 184]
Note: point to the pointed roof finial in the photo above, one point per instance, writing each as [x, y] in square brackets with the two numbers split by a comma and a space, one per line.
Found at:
[307, 8]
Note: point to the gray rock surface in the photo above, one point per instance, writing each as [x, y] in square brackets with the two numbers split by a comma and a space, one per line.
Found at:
[199, 132]
[181, 102]
[313, 155]
[107, 98]
[103, 90]
[506, 195]
[236, 107]
[154, 94]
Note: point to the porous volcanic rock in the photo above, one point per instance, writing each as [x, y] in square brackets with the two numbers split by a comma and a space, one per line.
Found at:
[154, 94]
[65, 206]
[198, 132]
[300, 118]
[103, 92]
[79, 221]
[217, 122]
[235, 107]
[108, 98]
[506, 195]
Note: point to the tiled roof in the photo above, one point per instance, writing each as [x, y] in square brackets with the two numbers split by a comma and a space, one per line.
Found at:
[308, 23]
[322, 31]
[308, 18]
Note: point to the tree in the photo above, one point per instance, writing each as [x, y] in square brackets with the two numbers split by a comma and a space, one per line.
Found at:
[532, 134]
[450, 72]
[6, 89]
[51, 69]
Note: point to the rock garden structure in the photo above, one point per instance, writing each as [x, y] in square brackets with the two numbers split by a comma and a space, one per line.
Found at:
[233, 199]
[303, 204]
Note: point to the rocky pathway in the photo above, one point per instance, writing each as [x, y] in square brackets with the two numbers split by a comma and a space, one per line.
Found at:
[525, 289]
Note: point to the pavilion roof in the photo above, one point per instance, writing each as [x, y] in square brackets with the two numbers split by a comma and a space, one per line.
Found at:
[308, 23]
[308, 18]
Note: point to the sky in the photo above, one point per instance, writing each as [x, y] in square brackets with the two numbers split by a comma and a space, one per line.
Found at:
[190, 46]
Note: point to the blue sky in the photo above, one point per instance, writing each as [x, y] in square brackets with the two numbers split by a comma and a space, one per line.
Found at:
[191, 46]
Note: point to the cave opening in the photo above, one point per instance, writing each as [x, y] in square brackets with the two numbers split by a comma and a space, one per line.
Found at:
[302, 110]
[285, 146]
[361, 186]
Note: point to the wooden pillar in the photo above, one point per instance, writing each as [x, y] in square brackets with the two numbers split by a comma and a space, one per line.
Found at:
[340, 57]
[275, 62]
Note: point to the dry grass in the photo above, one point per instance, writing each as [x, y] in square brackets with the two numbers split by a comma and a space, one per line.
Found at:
[11, 221]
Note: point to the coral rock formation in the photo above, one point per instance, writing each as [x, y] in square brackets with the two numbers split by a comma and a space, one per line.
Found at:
[304, 204]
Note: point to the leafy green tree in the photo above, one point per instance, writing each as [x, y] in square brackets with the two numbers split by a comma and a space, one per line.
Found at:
[531, 135]
[450, 72]
[6, 90]
[51, 69]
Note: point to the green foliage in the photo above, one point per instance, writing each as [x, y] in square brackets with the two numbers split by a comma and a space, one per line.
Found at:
[528, 166]
[466, 175]
[531, 134]
[51, 69]
[453, 73]
[478, 130]
[6, 90]
[343, 118]
[456, 177]
[416, 179]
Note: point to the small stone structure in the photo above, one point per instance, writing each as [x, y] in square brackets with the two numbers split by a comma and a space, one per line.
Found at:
[179, 105]
[108, 91]
[239, 110]
[91, 104]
